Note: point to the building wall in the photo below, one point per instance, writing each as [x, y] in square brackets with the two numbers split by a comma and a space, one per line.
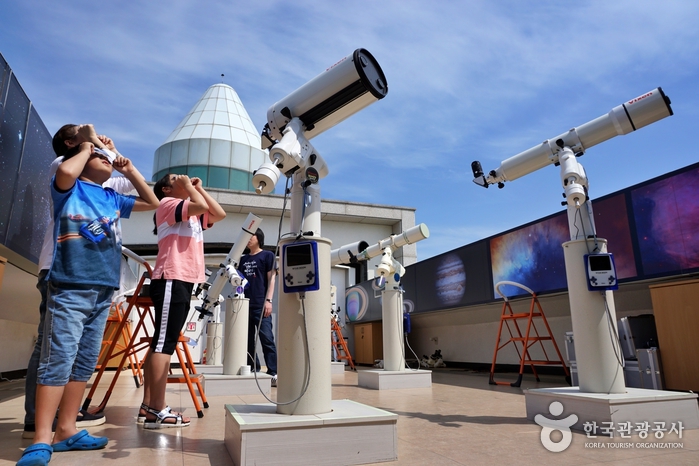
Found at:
[469, 334]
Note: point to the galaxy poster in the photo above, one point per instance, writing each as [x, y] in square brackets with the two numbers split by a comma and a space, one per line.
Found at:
[531, 256]
[25, 157]
[363, 302]
[666, 217]
[612, 224]
[455, 279]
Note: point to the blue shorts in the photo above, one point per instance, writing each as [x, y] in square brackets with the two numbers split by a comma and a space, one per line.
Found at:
[73, 332]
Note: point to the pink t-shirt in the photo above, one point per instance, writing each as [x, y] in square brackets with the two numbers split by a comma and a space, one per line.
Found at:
[180, 242]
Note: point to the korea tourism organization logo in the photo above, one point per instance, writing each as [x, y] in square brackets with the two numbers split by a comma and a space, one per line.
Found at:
[651, 435]
[548, 426]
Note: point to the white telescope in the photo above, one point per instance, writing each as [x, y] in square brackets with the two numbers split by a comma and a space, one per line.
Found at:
[228, 270]
[592, 310]
[347, 253]
[342, 90]
[409, 236]
[348, 86]
[622, 119]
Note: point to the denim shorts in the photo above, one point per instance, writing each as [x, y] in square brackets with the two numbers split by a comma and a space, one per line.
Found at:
[73, 332]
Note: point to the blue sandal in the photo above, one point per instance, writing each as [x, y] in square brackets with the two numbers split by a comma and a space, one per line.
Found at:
[81, 441]
[38, 454]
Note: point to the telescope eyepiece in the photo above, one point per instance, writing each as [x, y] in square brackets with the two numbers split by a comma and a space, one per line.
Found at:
[477, 169]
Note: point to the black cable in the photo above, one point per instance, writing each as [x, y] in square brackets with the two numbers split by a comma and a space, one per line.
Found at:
[308, 356]
[281, 217]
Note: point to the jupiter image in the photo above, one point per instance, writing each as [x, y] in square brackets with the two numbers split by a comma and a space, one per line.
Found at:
[450, 280]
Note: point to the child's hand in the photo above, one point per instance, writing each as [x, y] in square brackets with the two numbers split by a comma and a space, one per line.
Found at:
[88, 132]
[108, 143]
[183, 181]
[123, 165]
[196, 182]
[87, 147]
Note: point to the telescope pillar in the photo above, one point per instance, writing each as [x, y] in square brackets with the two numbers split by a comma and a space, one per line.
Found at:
[394, 373]
[227, 379]
[602, 396]
[392, 313]
[304, 346]
[235, 344]
[594, 324]
[600, 368]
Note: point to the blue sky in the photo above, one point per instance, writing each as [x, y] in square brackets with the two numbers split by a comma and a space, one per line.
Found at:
[468, 80]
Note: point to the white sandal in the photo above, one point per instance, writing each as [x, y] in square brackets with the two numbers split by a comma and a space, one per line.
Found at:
[161, 417]
[142, 417]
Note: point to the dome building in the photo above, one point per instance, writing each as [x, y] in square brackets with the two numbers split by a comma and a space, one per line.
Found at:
[216, 141]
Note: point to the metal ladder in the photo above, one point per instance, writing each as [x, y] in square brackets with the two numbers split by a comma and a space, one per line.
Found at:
[527, 340]
[339, 343]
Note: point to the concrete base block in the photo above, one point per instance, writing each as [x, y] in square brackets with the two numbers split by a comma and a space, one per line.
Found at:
[209, 368]
[637, 405]
[222, 385]
[337, 367]
[388, 380]
[352, 433]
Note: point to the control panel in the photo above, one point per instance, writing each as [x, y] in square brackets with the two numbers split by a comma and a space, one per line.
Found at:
[601, 272]
[300, 267]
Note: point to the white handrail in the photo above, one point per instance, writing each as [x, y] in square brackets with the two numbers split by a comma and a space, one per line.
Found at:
[518, 285]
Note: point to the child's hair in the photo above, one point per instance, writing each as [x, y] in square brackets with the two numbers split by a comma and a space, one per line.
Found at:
[59, 140]
[163, 182]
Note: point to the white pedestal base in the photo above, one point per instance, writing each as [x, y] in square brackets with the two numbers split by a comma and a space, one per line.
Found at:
[222, 385]
[387, 380]
[636, 406]
[337, 367]
[209, 369]
[352, 433]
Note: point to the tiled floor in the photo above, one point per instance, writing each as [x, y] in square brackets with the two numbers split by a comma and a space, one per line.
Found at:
[460, 420]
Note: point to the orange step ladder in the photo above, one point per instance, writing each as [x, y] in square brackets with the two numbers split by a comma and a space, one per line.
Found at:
[526, 340]
[111, 333]
[339, 343]
[140, 302]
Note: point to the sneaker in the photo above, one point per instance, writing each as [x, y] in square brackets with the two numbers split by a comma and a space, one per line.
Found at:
[274, 380]
[86, 419]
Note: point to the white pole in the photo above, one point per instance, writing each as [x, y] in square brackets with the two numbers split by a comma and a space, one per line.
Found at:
[214, 344]
[599, 368]
[392, 313]
[235, 343]
[304, 347]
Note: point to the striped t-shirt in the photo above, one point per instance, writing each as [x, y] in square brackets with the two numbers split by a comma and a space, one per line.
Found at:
[180, 242]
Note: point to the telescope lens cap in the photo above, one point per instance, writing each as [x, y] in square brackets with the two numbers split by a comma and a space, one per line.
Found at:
[370, 73]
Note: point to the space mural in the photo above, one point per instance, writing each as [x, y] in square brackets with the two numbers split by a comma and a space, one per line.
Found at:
[531, 256]
[651, 228]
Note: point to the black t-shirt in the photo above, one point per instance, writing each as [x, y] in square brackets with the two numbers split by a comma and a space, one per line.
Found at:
[255, 268]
